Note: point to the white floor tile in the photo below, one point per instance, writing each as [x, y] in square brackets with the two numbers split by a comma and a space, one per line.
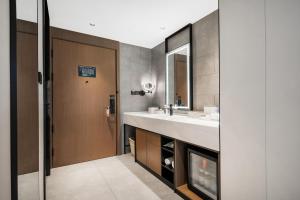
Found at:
[114, 178]
[28, 186]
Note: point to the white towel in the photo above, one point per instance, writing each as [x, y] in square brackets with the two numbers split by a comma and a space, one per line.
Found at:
[170, 145]
[173, 163]
[169, 160]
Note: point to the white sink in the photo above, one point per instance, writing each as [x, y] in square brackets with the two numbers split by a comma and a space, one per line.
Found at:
[197, 131]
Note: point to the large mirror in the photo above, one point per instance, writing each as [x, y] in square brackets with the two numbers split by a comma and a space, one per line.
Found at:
[27, 100]
[178, 77]
[179, 69]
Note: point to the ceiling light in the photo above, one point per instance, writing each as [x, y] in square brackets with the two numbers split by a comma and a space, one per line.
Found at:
[92, 24]
[162, 28]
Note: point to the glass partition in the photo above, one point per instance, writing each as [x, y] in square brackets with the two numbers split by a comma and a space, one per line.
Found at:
[27, 100]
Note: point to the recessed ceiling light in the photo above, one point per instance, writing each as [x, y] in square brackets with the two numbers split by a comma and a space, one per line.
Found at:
[92, 24]
[162, 28]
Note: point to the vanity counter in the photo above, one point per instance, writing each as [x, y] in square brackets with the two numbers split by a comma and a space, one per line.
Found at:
[204, 133]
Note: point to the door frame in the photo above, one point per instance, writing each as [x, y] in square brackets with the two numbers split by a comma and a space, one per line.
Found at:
[13, 100]
[80, 38]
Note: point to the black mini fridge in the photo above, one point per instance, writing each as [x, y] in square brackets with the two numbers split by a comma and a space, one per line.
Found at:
[203, 173]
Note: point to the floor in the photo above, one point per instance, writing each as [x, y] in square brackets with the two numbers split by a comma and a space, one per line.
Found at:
[28, 186]
[114, 178]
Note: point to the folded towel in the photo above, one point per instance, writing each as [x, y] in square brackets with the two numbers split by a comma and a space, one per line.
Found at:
[169, 145]
[173, 163]
[169, 160]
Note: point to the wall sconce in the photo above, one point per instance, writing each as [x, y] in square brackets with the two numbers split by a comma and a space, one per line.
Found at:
[147, 88]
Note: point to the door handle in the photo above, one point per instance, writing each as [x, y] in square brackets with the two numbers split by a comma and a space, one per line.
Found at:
[111, 108]
[112, 104]
[107, 112]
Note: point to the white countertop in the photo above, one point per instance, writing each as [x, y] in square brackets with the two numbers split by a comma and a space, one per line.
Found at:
[204, 133]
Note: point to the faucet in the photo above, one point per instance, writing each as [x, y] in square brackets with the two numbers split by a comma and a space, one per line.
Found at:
[169, 108]
[165, 109]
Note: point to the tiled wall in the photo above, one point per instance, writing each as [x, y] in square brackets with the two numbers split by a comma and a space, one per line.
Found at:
[206, 64]
[138, 64]
[135, 66]
[206, 61]
[158, 61]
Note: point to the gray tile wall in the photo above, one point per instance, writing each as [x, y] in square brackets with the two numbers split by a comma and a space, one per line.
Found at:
[206, 61]
[135, 67]
[206, 64]
[158, 72]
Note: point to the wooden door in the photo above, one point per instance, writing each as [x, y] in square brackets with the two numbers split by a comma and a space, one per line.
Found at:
[148, 149]
[82, 131]
[141, 146]
[154, 152]
[27, 73]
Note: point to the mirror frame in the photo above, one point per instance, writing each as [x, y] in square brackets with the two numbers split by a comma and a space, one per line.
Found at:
[42, 6]
[186, 46]
[189, 67]
[13, 100]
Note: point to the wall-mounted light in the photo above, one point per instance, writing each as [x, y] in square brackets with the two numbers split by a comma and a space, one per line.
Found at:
[147, 88]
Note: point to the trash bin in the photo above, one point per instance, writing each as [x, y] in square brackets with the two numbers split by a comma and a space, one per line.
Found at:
[132, 146]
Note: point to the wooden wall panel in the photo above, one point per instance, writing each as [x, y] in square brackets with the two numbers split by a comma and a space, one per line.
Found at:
[27, 90]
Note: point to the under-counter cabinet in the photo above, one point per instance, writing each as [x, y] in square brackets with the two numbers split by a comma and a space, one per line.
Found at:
[148, 150]
[151, 151]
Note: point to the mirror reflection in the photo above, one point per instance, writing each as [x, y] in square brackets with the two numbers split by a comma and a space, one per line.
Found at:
[27, 94]
[177, 77]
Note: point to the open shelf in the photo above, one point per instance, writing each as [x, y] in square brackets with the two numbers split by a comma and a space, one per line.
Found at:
[167, 167]
[166, 140]
[184, 190]
[167, 149]
[166, 155]
[168, 176]
[167, 172]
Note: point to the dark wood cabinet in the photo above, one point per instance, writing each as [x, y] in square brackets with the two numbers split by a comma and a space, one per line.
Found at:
[141, 146]
[153, 152]
[148, 150]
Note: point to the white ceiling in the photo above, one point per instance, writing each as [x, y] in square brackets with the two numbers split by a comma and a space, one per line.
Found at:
[143, 23]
